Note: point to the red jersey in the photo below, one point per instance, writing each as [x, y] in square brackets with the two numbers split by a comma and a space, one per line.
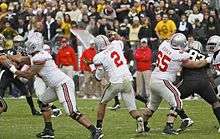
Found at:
[66, 56]
[143, 58]
[87, 58]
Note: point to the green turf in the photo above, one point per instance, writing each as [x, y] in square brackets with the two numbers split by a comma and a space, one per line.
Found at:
[18, 123]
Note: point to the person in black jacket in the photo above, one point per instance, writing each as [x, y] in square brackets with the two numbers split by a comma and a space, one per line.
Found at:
[50, 27]
[184, 26]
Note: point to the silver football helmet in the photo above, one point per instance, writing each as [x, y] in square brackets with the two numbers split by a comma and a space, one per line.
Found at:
[213, 44]
[196, 45]
[178, 41]
[34, 43]
[101, 42]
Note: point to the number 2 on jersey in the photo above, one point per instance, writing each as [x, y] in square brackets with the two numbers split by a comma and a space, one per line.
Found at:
[116, 57]
[162, 61]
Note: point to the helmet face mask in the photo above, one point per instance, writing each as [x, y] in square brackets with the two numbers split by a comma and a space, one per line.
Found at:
[213, 44]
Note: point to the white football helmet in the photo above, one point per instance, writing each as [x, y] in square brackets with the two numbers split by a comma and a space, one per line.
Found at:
[34, 43]
[178, 41]
[213, 44]
[101, 42]
[196, 45]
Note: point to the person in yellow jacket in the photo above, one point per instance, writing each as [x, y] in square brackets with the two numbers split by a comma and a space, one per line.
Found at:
[165, 28]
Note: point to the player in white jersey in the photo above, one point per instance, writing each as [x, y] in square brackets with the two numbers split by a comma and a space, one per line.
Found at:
[59, 86]
[213, 47]
[112, 60]
[171, 57]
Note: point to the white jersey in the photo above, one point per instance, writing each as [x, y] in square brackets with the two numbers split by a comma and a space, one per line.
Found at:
[114, 63]
[169, 62]
[50, 73]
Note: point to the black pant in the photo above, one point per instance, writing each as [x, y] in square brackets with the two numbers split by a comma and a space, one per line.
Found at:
[201, 87]
[8, 78]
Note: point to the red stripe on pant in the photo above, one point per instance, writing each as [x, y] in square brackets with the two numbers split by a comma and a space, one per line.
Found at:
[67, 98]
[174, 91]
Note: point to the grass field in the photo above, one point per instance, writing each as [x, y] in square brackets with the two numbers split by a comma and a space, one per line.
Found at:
[18, 123]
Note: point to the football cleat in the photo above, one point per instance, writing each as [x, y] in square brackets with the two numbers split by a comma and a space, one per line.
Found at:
[140, 125]
[185, 124]
[56, 113]
[97, 134]
[46, 134]
[115, 107]
[169, 131]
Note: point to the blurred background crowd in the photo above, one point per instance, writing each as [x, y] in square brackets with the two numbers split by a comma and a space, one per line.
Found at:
[136, 21]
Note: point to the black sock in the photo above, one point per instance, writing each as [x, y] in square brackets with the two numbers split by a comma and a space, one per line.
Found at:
[117, 100]
[91, 128]
[217, 113]
[53, 107]
[48, 125]
[182, 114]
[30, 102]
[99, 124]
[142, 99]
[170, 124]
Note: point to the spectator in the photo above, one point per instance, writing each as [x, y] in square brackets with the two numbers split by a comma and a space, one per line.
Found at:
[50, 27]
[212, 27]
[66, 58]
[143, 59]
[133, 31]
[165, 28]
[122, 9]
[90, 86]
[146, 30]
[66, 25]
[74, 12]
[199, 32]
[196, 15]
[184, 26]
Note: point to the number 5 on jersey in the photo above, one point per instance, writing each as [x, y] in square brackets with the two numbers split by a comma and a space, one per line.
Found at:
[162, 61]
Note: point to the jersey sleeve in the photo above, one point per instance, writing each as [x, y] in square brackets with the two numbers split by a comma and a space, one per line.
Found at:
[97, 60]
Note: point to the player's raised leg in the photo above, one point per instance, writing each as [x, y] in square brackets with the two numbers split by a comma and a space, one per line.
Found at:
[66, 96]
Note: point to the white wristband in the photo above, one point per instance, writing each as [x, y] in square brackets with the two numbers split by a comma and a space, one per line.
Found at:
[13, 69]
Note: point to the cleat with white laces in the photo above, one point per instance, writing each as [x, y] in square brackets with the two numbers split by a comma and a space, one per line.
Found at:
[185, 124]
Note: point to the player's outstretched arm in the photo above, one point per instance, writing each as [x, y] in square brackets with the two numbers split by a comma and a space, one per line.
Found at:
[20, 59]
[195, 64]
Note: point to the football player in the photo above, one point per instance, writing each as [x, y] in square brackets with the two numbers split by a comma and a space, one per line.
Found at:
[110, 59]
[7, 78]
[60, 86]
[171, 58]
[213, 47]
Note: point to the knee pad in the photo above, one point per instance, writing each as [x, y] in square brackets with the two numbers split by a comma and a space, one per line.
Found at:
[43, 107]
[76, 115]
[3, 104]
[173, 112]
